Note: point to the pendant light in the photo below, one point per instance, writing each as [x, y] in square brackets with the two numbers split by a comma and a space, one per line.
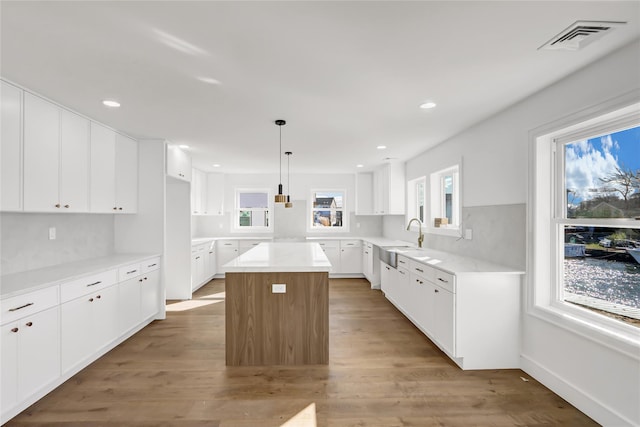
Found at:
[280, 198]
[288, 203]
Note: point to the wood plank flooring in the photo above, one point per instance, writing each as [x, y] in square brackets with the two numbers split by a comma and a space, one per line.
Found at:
[382, 372]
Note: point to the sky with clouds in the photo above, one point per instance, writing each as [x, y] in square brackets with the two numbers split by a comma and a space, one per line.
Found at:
[589, 160]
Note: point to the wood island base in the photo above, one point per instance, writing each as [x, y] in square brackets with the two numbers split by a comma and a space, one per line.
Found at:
[265, 328]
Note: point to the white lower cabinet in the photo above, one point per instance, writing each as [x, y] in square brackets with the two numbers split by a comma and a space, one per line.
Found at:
[331, 249]
[88, 324]
[472, 317]
[350, 257]
[371, 264]
[50, 334]
[226, 250]
[30, 356]
[150, 294]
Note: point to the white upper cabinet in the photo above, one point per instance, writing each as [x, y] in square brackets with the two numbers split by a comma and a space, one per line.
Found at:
[215, 194]
[198, 192]
[103, 158]
[74, 162]
[178, 163]
[381, 192]
[114, 171]
[126, 170]
[11, 148]
[56, 148]
[364, 193]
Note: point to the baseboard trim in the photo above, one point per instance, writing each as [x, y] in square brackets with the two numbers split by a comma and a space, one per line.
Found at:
[586, 403]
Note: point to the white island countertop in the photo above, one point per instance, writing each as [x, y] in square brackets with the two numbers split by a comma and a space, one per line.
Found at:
[280, 257]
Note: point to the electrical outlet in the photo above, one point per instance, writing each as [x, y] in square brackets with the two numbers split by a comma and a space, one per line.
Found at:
[278, 288]
[52, 233]
[468, 234]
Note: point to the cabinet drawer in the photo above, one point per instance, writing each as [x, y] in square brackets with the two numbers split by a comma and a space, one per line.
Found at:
[198, 248]
[350, 243]
[150, 265]
[77, 288]
[129, 271]
[328, 243]
[403, 262]
[23, 305]
[229, 244]
[445, 280]
[422, 270]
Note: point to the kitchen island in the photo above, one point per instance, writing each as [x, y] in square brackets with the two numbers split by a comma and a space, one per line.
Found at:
[277, 305]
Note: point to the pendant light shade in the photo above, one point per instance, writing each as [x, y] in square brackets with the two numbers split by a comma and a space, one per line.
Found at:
[288, 203]
[280, 198]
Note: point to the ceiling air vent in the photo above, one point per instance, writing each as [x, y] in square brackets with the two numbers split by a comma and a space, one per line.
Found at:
[580, 34]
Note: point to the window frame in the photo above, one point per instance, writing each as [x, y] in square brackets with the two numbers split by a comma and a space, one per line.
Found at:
[547, 217]
[345, 213]
[413, 208]
[438, 203]
[235, 218]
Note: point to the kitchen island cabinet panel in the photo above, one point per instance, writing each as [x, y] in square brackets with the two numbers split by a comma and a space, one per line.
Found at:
[266, 328]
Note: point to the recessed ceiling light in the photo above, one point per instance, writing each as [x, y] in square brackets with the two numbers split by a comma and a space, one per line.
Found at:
[183, 146]
[216, 165]
[209, 80]
[427, 105]
[111, 103]
[359, 166]
[381, 147]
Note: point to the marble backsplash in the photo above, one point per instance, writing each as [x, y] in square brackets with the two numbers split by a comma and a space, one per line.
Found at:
[25, 244]
[499, 234]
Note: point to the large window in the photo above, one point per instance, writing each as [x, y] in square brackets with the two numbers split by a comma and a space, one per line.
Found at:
[585, 253]
[445, 199]
[253, 210]
[328, 210]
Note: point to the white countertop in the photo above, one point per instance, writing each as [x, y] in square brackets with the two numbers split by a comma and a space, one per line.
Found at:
[451, 263]
[280, 257]
[200, 240]
[32, 280]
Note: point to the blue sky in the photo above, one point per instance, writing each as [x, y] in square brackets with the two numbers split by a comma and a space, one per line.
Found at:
[589, 160]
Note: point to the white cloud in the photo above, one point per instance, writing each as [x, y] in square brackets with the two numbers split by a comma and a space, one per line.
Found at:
[585, 166]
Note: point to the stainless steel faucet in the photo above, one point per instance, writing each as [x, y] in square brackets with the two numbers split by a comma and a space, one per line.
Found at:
[420, 236]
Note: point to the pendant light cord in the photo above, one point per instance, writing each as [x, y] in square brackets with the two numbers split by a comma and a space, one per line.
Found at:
[280, 153]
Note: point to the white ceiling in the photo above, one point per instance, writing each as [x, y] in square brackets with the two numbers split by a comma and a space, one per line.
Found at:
[347, 76]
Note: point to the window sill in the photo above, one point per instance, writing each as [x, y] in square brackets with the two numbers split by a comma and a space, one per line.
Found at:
[604, 331]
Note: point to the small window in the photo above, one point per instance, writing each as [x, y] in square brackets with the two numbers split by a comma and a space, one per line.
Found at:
[445, 198]
[416, 197]
[328, 210]
[253, 210]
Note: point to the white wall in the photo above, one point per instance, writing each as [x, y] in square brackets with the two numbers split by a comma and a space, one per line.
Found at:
[288, 223]
[600, 381]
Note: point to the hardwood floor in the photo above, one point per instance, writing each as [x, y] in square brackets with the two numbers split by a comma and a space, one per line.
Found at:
[382, 372]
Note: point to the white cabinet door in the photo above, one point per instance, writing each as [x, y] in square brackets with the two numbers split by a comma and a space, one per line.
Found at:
[129, 296]
[225, 252]
[104, 317]
[351, 260]
[445, 319]
[9, 365]
[210, 261]
[74, 162]
[11, 148]
[41, 153]
[364, 193]
[103, 160]
[178, 163]
[215, 194]
[198, 192]
[388, 280]
[197, 269]
[87, 324]
[39, 335]
[389, 189]
[404, 284]
[150, 294]
[30, 355]
[126, 174]
[367, 261]
[75, 331]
